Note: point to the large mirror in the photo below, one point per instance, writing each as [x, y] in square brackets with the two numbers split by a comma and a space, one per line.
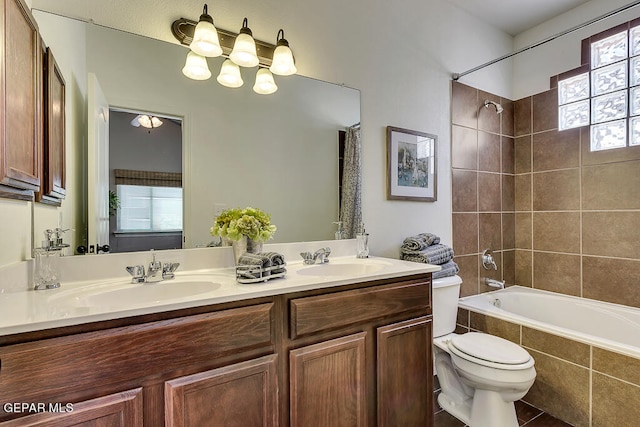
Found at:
[277, 152]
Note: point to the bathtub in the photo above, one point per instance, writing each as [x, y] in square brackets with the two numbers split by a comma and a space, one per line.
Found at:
[610, 326]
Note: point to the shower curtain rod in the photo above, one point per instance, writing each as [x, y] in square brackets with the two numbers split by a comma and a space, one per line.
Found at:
[456, 76]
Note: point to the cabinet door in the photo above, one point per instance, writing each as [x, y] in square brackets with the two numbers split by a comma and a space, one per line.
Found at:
[405, 373]
[328, 384]
[116, 410]
[53, 160]
[20, 102]
[240, 395]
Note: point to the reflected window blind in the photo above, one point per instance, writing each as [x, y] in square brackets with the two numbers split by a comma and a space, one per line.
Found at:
[147, 178]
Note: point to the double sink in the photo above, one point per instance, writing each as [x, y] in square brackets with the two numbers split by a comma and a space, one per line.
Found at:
[188, 286]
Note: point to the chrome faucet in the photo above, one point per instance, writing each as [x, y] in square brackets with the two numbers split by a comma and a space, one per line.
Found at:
[154, 268]
[156, 272]
[320, 256]
[494, 283]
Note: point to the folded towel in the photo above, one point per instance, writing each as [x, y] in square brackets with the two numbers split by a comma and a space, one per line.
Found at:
[259, 260]
[420, 241]
[276, 260]
[448, 269]
[434, 254]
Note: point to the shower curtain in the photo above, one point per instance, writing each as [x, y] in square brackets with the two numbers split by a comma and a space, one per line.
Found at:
[351, 207]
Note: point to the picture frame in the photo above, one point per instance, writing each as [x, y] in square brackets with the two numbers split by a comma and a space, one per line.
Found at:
[411, 165]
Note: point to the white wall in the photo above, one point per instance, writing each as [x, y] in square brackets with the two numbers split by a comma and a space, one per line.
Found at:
[400, 55]
[534, 67]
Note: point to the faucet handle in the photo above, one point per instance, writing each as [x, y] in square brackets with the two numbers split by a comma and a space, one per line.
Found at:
[137, 273]
[168, 270]
[307, 258]
[327, 252]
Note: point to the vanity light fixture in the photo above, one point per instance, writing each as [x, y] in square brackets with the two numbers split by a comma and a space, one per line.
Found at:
[230, 74]
[241, 49]
[205, 37]
[283, 63]
[244, 49]
[265, 84]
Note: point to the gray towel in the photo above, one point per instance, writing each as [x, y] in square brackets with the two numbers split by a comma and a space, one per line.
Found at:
[259, 260]
[434, 254]
[420, 241]
[276, 260]
[448, 269]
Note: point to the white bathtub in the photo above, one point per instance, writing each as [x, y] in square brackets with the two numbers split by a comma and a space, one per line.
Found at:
[610, 326]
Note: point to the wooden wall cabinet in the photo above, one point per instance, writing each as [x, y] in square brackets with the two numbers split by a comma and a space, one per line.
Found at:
[53, 160]
[20, 102]
[355, 355]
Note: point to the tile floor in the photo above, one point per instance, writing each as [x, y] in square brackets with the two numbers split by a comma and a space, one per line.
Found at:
[528, 416]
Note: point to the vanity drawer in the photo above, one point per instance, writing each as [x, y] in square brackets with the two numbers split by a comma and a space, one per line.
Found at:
[336, 310]
[113, 357]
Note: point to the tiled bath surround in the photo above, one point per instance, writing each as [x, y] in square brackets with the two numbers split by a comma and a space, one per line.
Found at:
[580, 384]
[483, 186]
[567, 222]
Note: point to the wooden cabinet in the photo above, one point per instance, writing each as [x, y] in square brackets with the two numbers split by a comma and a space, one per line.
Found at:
[377, 372]
[328, 383]
[241, 395]
[116, 410]
[404, 367]
[355, 355]
[53, 160]
[20, 102]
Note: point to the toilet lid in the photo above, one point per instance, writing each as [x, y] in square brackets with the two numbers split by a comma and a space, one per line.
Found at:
[490, 348]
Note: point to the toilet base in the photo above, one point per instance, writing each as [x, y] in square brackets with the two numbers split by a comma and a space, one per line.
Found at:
[490, 410]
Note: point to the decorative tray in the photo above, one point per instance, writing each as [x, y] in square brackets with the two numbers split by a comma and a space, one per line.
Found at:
[255, 273]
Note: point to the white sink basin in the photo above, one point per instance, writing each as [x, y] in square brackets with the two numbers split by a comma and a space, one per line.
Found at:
[115, 295]
[357, 267]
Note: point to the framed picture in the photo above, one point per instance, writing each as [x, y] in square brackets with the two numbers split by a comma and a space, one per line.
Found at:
[411, 161]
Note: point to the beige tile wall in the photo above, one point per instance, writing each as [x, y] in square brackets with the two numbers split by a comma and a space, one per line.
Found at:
[580, 384]
[577, 211]
[483, 186]
[558, 216]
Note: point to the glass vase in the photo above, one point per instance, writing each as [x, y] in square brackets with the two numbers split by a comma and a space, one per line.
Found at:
[244, 245]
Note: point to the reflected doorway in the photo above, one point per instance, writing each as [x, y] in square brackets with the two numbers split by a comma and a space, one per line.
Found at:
[145, 181]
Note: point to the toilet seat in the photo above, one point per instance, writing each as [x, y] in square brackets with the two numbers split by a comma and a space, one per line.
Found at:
[491, 351]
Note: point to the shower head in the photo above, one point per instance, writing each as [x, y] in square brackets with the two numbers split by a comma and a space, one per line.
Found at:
[498, 107]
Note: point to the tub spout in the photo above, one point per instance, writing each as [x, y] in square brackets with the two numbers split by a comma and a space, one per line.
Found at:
[494, 283]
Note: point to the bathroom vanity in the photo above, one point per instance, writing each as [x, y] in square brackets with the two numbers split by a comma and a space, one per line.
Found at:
[345, 346]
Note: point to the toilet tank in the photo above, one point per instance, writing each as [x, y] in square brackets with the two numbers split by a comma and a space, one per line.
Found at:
[445, 294]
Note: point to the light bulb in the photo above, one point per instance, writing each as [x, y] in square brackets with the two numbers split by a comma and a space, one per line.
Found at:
[230, 75]
[244, 49]
[265, 84]
[205, 37]
[196, 67]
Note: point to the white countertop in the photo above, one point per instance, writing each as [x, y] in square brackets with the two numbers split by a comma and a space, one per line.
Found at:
[97, 300]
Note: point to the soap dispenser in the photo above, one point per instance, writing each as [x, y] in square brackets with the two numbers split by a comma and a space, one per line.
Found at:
[47, 262]
[339, 233]
[362, 243]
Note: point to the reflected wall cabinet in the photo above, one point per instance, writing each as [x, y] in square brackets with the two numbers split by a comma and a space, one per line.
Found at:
[53, 161]
[20, 102]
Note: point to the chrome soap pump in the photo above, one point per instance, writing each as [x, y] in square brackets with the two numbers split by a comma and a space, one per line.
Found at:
[362, 243]
[46, 273]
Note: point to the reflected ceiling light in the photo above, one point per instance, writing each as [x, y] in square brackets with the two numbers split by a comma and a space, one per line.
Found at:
[282, 63]
[196, 67]
[244, 49]
[205, 37]
[230, 74]
[265, 84]
[146, 121]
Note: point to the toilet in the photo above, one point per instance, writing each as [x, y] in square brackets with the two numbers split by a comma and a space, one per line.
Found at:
[480, 375]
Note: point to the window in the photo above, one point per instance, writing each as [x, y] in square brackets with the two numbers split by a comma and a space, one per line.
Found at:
[606, 94]
[146, 208]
